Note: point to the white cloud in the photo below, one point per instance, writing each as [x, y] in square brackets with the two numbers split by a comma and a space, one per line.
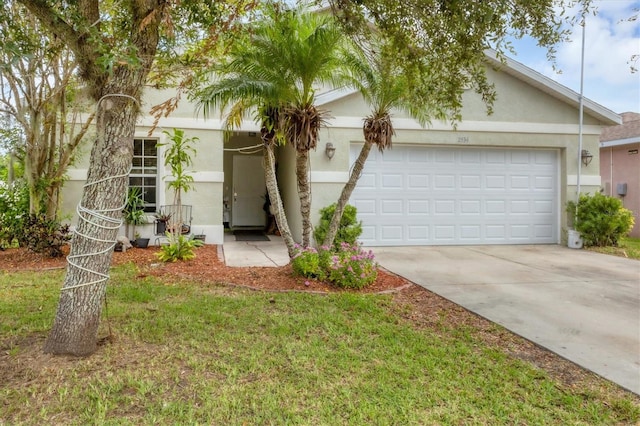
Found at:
[610, 43]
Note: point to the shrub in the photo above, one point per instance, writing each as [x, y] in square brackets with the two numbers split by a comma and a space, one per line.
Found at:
[352, 267]
[600, 219]
[179, 248]
[349, 230]
[349, 267]
[14, 209]
[42, 235]
[306, 263]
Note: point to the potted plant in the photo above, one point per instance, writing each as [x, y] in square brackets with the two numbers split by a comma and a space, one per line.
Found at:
[133, 211]
[141, 242]
[162, 219]
[178, 157]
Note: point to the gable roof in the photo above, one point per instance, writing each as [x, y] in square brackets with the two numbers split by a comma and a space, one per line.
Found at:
[625, 133]
[521, 72]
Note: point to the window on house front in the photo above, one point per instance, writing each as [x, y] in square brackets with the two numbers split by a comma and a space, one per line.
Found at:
[144, 173]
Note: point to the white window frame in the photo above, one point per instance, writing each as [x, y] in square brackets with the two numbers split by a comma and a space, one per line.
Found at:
[149, 208]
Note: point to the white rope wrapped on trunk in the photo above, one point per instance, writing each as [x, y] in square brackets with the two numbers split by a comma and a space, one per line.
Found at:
[99, 219]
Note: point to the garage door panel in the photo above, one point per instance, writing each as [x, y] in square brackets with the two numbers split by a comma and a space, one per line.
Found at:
[470, 157]
[393, 156]
[495, 182]
[444, 207]
[418, 207]
[446, 182]
[389, 207]
[417, 232]
[470, 207]
[519, 207]
[444, 156]
[543, 231]
[417, 181]
[520, 157]
[470, 232]
[367, 181]
[365, 207]
[391, 233]
[444, 233]
[495, 207]
[519, 182]
[425, 195]
[496, 157]
[544, 207]
[418, 156]
[544, 183]
[470, 182]
[368, 235]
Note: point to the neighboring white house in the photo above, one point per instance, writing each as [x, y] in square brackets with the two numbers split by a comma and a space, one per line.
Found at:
[499, 179]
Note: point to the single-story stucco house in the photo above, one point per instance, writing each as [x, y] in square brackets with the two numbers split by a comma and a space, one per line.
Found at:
[620, 164]
[499, 179]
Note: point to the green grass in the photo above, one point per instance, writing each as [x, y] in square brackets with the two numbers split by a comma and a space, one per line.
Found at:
[629, 247]
[187, 354]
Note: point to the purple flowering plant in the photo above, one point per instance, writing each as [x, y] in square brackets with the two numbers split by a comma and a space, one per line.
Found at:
[350, 266]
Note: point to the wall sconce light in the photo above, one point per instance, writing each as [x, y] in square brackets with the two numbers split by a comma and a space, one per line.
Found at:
[586, 157]
[329, 150]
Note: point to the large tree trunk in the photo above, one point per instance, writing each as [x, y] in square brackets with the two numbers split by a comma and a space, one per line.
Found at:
[117, 94]
[276, 200]
[76, 323]
[347, 190]
[304, 193]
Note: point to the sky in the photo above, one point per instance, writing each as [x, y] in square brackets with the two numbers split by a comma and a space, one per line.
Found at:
[610, 43]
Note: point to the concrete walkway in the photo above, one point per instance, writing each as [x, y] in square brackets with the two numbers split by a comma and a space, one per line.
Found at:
[270, 253]
[581, 305]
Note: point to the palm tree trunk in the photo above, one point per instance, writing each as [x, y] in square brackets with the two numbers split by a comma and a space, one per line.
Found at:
[304, 193]
[276, 200]
[347, 190]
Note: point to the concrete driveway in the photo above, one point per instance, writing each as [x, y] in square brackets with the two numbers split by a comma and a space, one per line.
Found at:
[581, 305]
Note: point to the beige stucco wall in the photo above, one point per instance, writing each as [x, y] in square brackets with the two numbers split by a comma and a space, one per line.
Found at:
[524, 116]
[207, 170]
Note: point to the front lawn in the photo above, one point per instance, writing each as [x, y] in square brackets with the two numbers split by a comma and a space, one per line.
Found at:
[185, 353]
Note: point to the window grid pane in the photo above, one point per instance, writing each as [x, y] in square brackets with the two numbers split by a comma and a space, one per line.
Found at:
[144, 173]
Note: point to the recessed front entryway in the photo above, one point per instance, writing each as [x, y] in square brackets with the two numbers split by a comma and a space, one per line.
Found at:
[417, 195]
[244, 182]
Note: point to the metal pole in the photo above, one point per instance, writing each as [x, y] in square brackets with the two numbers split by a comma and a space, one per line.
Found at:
[581, 108]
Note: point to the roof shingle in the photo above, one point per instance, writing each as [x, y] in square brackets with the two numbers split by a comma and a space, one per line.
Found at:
[629, 128]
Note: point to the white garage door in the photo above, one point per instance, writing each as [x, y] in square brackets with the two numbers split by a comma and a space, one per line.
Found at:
[413, 195]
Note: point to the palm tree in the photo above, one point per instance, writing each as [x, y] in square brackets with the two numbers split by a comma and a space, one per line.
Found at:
[302, 49]
[385, 86]
[247, 85]
[275, 72]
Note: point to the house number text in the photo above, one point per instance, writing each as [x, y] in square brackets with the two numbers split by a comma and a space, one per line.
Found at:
[463, 139]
